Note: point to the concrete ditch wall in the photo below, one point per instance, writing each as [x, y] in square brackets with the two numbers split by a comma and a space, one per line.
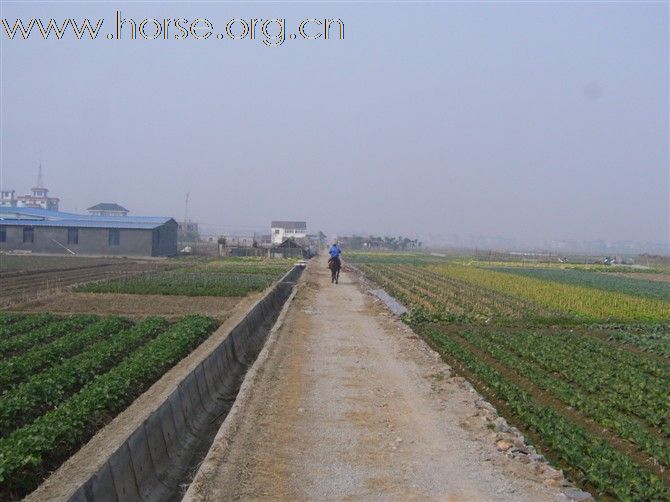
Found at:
[157, 457]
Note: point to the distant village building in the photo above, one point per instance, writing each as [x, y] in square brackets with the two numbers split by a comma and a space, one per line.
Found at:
[242, 245]
[39, 230]
[38, 199]
[107, 209]
[290, 248]
[189, 231]
[282, 230]
[264, 240]
[243, 241]
[7, 198]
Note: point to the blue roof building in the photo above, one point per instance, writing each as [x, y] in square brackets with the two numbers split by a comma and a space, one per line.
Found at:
[46, 231]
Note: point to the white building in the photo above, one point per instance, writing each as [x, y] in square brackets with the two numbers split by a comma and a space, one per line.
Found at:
[282, 230]
[7, 198]
[39, 199]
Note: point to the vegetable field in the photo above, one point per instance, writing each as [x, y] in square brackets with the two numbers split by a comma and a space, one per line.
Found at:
[228, 277]
[19, 263]
[606, 282]
[577, 359]
[62, 379]
[578, 300]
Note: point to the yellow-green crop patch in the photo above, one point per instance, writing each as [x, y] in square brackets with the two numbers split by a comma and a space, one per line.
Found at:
[589, 303]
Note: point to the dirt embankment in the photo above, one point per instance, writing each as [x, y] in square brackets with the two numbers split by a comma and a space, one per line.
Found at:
[133, 306]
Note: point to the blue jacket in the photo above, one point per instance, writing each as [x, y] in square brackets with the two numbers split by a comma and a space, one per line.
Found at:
[335, 251]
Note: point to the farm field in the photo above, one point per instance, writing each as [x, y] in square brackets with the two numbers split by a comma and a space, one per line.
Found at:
[49, 276]
[579, 360]
[64, 378]
[606, 282]
[168, 288]
[580, 301]
[10, 263]
[71, 361]
[228, 277]
[648, 271]
[168, 306]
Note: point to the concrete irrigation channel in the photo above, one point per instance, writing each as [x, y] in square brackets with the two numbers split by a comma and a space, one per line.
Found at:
[167, 432]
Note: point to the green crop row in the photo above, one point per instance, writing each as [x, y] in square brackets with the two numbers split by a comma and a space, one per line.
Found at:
[8, 318]
[46, 390]
[24, 324]
[622, 387]
[75, 334]
[624, 426]
[186, 283]
[600, 465]
[616, 356]
[29, 452]
[652, 339]
[27, 341]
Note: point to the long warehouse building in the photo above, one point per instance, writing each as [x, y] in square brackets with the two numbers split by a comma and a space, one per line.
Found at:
[55, 232]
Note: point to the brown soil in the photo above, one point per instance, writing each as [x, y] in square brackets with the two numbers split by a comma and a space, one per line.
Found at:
[131, 305]
[18, 289]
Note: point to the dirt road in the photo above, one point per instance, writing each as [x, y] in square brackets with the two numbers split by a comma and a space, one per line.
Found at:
[350, 404]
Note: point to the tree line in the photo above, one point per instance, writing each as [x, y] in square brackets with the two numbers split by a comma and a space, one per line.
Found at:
[399, 243]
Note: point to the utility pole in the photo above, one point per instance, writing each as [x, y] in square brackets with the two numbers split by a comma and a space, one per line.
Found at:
[40, 183]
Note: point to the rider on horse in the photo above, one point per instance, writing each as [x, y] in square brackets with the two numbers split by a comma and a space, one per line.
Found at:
[335, 253]
[334, 262]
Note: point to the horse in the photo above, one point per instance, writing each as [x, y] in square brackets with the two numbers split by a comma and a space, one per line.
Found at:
[334, 264]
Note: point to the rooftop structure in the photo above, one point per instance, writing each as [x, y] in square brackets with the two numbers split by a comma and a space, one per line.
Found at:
[107, 209]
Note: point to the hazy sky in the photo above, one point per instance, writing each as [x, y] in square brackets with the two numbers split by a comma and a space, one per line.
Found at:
[528, 120]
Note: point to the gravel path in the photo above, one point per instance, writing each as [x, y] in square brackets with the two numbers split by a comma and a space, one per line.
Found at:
[350, 404]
